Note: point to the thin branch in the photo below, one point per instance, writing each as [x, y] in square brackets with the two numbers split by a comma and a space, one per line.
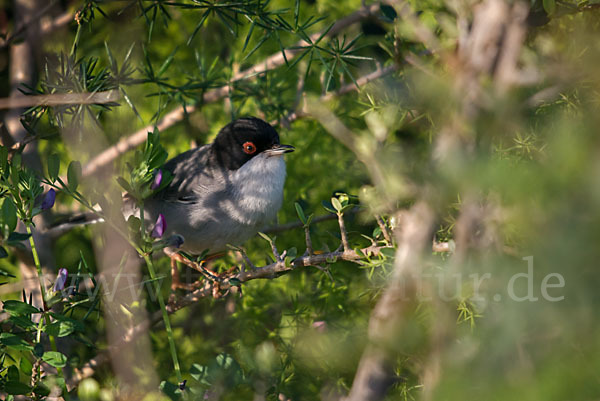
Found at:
[18, 102]
[247, 260]
[176, 115]
[297, 224]
[362, 81]
[384, 229]
[309, 246]
[343, 232]
[365, 79]
[271, 271]
[266, 272]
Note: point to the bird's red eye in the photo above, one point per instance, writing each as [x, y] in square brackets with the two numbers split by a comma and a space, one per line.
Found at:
[249, 148]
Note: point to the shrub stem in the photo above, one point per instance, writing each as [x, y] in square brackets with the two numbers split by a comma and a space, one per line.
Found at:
[45, 314]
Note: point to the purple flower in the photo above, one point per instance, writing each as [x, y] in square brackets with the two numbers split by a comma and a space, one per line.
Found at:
[157, 179]
[61, 279]
[159, 227]
[48, 200]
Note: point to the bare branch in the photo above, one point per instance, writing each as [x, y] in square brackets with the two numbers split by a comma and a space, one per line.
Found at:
[309, 246]
[110, 96]
[343, 232]
[271, 271]
[384, 229]
[266, 272]
[361, 81]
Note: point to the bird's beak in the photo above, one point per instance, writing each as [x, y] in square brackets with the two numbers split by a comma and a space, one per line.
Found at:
[278, 149]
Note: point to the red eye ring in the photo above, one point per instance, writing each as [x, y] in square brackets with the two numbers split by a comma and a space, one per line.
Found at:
[249, 148]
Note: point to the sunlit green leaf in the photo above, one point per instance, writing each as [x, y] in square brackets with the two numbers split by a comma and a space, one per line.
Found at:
[55, 358]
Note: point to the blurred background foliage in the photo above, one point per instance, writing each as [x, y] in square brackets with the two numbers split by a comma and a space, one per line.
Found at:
[516, 161]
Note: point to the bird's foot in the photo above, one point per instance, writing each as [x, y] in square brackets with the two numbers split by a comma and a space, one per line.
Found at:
[176, 283]
[214, 280]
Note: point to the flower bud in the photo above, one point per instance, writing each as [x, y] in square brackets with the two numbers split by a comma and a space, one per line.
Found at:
[157, 179]
[48, 200]
[159, 227]
[61, 279]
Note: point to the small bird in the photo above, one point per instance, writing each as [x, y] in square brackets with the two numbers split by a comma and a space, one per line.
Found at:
[224, 192]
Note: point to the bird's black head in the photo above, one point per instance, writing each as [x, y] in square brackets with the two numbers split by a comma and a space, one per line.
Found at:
[242, 139]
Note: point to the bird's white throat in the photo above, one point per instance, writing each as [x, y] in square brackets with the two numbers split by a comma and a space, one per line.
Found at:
[259, 189]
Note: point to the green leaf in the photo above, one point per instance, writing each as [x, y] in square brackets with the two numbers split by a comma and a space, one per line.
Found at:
[309, 220]
[199, 373]
[9, 214]
[41, 390]
[388, 252]
[336, 204]
[53, 166]
[388, 13]
[134, 224]
[14, 341]
[300, 213]
[13, 373]
[3, 158]
[25, 366]
[328, 206]
[22, 322]
[19, 308]
[292, 253]
[266, 237]
[18, 237]
[73, 175]
[124, 184]
[15, 169]
[64, 326]
[55, 358]
[170, 389]
[376, 232]
[38, 350]
[549, 6]
[16, 388]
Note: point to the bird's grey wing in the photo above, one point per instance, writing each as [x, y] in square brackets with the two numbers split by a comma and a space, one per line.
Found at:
[190, 175]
